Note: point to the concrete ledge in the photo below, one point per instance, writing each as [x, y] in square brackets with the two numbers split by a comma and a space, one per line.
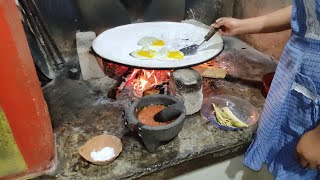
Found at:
[90, 68]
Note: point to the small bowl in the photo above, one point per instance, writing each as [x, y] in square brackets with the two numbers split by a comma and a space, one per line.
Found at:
[97, 143]
[245, 111]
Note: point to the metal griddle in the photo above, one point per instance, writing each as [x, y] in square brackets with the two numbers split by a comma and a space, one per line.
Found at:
[116, 44]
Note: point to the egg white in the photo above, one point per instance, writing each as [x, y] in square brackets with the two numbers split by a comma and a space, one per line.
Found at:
[163, 54]
[150, 41]
[149, 53]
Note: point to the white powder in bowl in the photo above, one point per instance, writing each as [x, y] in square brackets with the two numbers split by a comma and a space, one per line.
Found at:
[103, 155]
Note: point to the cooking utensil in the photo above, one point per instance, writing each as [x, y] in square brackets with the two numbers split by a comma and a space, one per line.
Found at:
[190, 50]
[116, 44]
[171, 112]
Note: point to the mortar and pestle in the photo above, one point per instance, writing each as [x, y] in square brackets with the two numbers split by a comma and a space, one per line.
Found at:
[152, 136]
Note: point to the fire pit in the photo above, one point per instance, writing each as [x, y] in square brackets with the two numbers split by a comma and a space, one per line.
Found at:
[153, 136]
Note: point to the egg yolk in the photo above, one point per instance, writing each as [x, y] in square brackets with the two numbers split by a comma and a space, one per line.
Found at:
[147, 54]
[158, 43]
[175, 55]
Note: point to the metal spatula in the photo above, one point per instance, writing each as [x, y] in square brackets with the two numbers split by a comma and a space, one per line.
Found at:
[190, 50]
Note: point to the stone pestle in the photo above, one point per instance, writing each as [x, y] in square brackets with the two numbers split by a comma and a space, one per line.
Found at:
[169, 113]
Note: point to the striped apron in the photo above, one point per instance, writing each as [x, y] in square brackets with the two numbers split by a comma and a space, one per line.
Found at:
[292, 105]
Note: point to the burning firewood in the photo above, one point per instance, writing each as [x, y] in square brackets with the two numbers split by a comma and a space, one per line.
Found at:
[145, 81]
[211, 70]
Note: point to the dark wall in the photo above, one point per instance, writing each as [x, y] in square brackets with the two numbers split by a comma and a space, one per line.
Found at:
[271, 43]
[207, 11]
[63, 19]
[66, 17]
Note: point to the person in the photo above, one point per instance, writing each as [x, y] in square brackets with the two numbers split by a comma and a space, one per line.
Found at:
[288, 136]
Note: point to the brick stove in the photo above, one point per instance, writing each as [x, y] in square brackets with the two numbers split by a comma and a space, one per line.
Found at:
[79, 113]
[133, 83]
[185, 84]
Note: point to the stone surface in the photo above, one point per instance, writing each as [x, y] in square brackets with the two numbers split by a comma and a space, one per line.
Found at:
[78, 113]
[90, 68]
[103, 84]
[186, 80]
[186, 85]
[84, 41]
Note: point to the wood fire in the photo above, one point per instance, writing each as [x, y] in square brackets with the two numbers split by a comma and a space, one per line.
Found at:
[144, 81]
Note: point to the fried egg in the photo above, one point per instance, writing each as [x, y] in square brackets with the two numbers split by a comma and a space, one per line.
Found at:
[151, 41]
[169, 54]
[144, 53]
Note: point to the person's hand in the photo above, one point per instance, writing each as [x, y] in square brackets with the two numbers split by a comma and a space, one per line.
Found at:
[228, 26]
[308, 149]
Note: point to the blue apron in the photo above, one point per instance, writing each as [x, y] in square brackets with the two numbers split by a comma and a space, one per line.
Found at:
[292, 105]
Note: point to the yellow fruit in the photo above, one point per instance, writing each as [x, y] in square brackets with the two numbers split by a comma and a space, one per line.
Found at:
[221, 116]
[234, 120]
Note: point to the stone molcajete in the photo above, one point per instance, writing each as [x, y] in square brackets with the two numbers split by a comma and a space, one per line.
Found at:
[153, 136]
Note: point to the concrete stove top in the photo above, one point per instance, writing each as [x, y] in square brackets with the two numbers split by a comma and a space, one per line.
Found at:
[79, 113]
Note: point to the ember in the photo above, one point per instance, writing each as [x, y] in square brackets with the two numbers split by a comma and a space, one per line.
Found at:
[115, 71]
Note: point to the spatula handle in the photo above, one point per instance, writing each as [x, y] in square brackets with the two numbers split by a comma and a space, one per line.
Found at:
[212, 32]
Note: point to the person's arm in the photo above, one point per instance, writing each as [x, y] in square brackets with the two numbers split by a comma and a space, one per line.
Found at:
[273, 22]
[308, 149]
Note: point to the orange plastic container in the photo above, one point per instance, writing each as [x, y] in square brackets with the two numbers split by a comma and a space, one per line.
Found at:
[25, 127]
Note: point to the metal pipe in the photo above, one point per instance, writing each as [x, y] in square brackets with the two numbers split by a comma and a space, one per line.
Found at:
[41, 30]
[46, 31]
[35, 28]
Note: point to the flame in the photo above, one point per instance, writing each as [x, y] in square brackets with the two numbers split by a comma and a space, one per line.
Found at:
[142, 80]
